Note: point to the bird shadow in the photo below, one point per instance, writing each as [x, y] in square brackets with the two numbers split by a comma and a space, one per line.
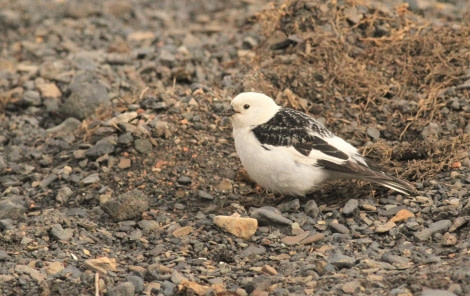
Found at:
[332, 194]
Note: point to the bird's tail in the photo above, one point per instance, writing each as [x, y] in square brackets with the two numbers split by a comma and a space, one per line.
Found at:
[368, 172]
[390, 182]
[379, 177]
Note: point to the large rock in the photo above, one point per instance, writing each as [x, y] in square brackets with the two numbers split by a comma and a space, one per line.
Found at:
[238, 226]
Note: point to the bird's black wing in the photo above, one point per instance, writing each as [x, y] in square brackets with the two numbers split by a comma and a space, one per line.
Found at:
[292, 128]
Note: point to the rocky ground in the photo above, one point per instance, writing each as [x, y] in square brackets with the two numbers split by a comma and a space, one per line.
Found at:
[115, 158]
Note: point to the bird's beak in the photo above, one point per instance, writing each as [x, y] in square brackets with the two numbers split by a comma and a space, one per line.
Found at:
[229, 112]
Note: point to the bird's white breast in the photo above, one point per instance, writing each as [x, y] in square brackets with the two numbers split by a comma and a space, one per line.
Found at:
[277, 169]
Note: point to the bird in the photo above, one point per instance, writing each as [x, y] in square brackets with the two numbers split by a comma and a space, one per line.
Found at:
[289, 152]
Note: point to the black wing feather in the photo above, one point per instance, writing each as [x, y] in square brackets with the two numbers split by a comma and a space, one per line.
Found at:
[289, 127]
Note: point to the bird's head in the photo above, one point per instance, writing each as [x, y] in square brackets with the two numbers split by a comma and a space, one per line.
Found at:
[251, 109]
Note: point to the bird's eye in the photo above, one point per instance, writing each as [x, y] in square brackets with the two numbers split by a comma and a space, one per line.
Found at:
[246, 106]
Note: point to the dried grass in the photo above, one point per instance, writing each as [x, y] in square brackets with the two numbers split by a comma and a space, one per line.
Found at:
[370, 64]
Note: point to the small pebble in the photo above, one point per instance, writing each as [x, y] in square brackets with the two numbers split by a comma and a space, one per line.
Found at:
[385, 227]
[341, 261]
[337, 227]
[351, 287]
[350, 207]
[205, 195]
[440, 226]
[292, 205]
[311, 209]
[184, 180]
[269, 216]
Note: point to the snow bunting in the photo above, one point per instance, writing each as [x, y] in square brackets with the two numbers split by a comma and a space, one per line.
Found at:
[289, 152]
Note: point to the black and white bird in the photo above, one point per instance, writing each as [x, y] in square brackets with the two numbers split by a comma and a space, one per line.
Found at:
[289, 152]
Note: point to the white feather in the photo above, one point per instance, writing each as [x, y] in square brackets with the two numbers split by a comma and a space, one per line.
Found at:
[279, 169]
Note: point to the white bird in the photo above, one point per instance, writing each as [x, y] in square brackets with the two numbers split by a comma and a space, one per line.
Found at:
[289, 152]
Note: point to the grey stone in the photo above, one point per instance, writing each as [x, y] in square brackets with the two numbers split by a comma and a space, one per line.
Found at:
[309, 269]
[123, 289]
[127, 206]
[191, 41]
[33, 273]
[351, 287]
[168, 288]
[431, 130]
[149, 225]
[125, 139]
[51, 104]
[350, 207]
[179, 206]
[143, 146]
[86, 95]
[90, 179]
[249, 42]
[117, 58]
[51, 70]
[69, 125]
[455, 104]
[459, 222]
[440, 226]
[71, 272]
[423, 235]
[292, 205]
[60, 233]
[412, 225]
[398, 261]
[31, 97]
[11, 210]
[86, 61]
[373, 133]
[3, 164]
[467, 129]
[401, 291]
[184, 180]
[166, 58]
[4, 256]
[341, 261]
[10, 18]
[135, 235]
[79, 154]
[204, 195]
[63, 194]
[311, 209]
[177, 277]
[162, 129]
[157, 271]
[47, 181]
[337, 227]
[253, 251]
[143, 52]
[102, 147]
[137, 282]
[6, 224]
[268, 216]
[392, 211]
[455, 288]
